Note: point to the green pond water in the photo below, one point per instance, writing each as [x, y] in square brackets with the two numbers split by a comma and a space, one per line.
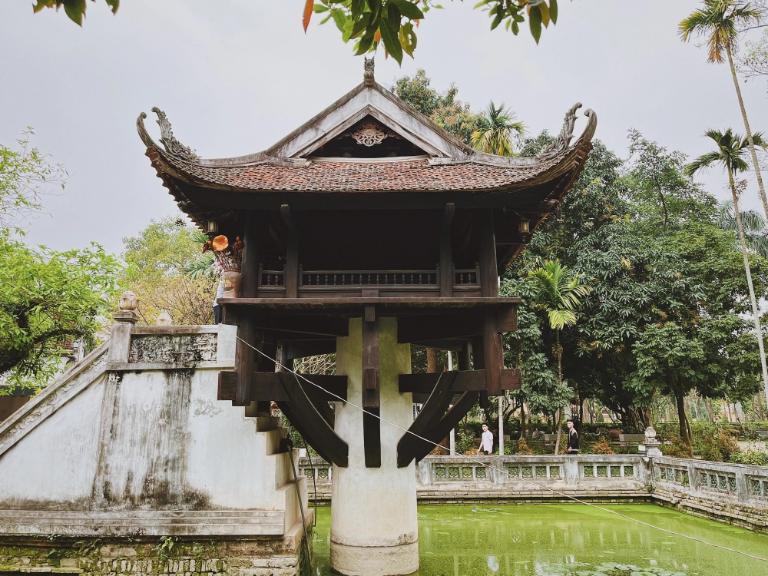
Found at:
[569, 540]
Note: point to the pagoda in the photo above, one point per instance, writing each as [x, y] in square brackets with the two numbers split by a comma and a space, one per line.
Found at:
[365, 230]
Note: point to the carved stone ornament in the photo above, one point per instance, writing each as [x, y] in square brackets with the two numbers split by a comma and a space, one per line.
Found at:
[563, 139]
[169, 141]
[369, 134]
[368, 66]
[164, 318]
[128, 301]
[179, 349]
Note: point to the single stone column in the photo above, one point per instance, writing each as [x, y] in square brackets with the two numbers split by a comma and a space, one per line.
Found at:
[374, 530]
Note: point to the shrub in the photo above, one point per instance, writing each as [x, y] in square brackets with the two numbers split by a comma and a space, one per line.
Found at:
[676, 448]
[753, 457]
[522, 448]
[719, 446]
[601, 447]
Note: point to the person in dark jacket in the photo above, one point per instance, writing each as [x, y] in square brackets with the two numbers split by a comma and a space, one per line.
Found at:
[573, 439]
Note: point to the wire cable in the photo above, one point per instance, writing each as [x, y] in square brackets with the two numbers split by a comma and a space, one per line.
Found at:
[298, 376]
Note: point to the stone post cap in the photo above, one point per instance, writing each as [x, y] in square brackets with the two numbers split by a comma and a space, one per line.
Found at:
[164, 318]
[127, 308]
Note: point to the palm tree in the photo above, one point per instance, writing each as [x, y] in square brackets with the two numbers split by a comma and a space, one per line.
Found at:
[557, 292]
[719, 21]
[495, 131]
[755, 227]
[730, 151]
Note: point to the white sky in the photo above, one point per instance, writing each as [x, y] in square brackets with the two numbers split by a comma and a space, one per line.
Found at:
[236, 75]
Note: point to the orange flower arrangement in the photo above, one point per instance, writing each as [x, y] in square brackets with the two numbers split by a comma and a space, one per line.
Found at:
[228, 257]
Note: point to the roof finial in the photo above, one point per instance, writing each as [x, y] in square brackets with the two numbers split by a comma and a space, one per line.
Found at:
[368, 79]
[169, 141]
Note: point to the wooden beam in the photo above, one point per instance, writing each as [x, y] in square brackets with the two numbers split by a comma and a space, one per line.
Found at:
[307, 416]
[291, 267]
[371, 392]
[266, 386]
[438, 430]
[416, 329]
[446, 250]
[301, 348]
[463, 381]
[432, 412]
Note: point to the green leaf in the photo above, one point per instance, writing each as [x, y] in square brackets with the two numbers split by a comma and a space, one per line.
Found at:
[391, 41]
[320, 8]
[114, 4]
[339, 18]
[534, 21]
[497, 19]
[75, 9]
[553, 11]
[408, 9]
[361, 25]
[365, 42]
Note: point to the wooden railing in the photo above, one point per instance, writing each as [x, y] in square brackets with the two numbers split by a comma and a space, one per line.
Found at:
[359, 278]
[464, 278]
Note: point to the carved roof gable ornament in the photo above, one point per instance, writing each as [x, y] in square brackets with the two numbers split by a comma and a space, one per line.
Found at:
[369, 134]
[563, 139]
[368, 67]
[169, 141]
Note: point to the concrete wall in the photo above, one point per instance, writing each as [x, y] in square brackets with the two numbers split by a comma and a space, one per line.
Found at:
[133, 441]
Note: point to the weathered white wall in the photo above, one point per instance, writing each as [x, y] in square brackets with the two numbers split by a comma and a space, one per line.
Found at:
[131, 445]
[55, 464]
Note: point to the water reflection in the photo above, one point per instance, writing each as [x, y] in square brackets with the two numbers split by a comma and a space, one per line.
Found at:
[569, 540]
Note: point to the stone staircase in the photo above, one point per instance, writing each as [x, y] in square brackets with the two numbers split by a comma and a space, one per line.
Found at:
[132, 440]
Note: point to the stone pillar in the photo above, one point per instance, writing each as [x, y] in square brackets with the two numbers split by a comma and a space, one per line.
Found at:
[374, 530]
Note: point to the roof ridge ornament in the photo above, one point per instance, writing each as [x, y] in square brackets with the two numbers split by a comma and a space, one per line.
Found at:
[368, 66]
[563, 139]
[170, 143]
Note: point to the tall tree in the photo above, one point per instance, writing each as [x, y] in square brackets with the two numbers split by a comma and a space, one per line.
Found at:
[496, 130]
[48, 299]
[729, 153]
[755, 227]
[167, 270]
[719, 21]
[443, 108]
[558, 292]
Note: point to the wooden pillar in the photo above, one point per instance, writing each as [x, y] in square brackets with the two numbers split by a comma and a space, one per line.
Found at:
[291, 267]
[249, 266]
[446, 251]
[492, 353]
[489, 273]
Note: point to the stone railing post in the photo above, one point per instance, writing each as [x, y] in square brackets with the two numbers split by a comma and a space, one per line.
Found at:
[120, 337]
[742, 490]
[571, 470]
[424, 472]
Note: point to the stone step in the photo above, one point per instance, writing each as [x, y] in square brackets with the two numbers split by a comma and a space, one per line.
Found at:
[265, 423]
[273, 440]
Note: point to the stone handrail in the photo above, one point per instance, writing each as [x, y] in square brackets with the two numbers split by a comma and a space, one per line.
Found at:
[733, 492]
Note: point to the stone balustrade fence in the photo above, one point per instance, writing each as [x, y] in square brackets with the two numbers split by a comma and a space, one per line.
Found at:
[732, 492]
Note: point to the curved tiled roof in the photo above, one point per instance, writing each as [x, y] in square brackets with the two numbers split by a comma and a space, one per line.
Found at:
[404, 175]
[461, 170]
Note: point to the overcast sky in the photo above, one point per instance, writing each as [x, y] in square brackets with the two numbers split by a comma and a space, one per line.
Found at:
[234, 76]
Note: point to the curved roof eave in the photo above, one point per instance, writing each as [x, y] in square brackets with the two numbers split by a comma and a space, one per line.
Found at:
[176, 161]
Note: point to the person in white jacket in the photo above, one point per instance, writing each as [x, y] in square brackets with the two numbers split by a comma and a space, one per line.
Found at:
[486, 441]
